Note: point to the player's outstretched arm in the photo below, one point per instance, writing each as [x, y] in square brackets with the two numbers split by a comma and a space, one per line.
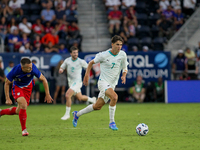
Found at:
[87, 73]
[6, 89]
[123, 77]
[48, 97]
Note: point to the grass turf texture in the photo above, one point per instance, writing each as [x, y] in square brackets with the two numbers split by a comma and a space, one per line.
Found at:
[171, 126]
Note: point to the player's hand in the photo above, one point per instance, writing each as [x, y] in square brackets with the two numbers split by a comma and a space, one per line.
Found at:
[60, 70]
[123, 78]
[8, 101]
[48, 99]
[85, 80]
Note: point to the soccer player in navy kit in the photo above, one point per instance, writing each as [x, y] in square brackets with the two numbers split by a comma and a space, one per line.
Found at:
[22, 78]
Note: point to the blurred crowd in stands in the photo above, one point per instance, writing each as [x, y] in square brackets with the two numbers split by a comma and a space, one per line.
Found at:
[39, 26]
[147, 24]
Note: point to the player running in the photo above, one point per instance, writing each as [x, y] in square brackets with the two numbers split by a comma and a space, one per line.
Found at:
[111, 62]
[74, 66]
[22, 78]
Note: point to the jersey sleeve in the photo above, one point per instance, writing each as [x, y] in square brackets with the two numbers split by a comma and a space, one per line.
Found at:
[84, 64]
[98, 58]
[124, 62]
[36, 72]
[64, 65]
[11, 75]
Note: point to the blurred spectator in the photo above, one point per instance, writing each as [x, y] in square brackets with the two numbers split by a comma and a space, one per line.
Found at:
[197, 51]
[46, 3]
[134, 48]
[25, 27]
[2, 79]
[114, 17]
[123, 35]
[127, 3]
[48, 14]
[189, 54]
[145, 48]
[63, 49]
[49, 48]
[130, 16]
[165, 27]
[25, 49]
[163, 5]
[130, 29]
[38, 28]
[14, 41]
[111, 3]
[179, 65]
[60, 12]
[25, 39]
[37, 40]
[50, 37]
[184, 76]
[178, 19]
[61, 26]
[73, 30]
[35, 95]
[15, 8]
[176, 4]
[37, 48]
[12, 25]
[189, 6]
[62, 4]
[48, 28]
[159, 90]
[61, 83]
[169, 13]
[72, 4]
[3, 28]
[138, 90]
[9, 67]
[4, 7]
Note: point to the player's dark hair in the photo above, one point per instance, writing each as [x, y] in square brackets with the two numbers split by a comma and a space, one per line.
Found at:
[73, 48]
[25, 61]
[116, 38]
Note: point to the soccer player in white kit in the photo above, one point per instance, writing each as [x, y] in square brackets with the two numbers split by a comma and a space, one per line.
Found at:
[74, 66]
[112, 62]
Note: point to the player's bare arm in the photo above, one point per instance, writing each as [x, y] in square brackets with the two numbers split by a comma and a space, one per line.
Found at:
[123, 77]
[48, 97]
[6, 88]
[87, 73]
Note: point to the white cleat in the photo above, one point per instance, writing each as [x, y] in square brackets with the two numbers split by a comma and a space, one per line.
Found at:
[94, 100]
[25, 132]
[65, 117]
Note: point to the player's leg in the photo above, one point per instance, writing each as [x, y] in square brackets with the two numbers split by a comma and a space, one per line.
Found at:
[81, 97]
[97, 106]
[112, 107]
[21, 109]
[56, 94]
[63, 94]
[8, 111]
[68, 96]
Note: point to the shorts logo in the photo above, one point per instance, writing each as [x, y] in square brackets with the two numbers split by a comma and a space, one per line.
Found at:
[18, 94]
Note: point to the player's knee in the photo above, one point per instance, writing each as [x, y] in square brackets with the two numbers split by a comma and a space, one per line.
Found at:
[115, 98]
[67, 96]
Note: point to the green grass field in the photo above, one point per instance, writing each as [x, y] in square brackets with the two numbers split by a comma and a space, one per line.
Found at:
[171, 126]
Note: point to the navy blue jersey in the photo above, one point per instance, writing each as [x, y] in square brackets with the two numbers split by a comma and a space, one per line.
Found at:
[20, 78]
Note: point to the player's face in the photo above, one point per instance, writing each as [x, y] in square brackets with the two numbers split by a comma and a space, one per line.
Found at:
[27, 68]
[116, 47]
[74, 54]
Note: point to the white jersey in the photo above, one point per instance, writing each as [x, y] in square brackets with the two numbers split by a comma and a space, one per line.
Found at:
[111, 65]
[74, 69]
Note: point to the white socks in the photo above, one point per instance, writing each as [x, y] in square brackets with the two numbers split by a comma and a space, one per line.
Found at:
[90, 100]
[85, 110]
[112, 113]
[68, 109]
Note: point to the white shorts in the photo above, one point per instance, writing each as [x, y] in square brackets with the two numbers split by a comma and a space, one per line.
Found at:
[76, 87]
[103, 86]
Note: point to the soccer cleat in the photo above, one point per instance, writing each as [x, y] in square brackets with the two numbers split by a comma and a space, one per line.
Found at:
[113, 126]
[74, 121]
[25, 132]
[94, 100]
[65, 117]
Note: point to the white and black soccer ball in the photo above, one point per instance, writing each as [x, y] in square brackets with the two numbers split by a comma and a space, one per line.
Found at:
[142, 129]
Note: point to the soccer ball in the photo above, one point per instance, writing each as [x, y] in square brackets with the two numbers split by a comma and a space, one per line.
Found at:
[142, 129]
